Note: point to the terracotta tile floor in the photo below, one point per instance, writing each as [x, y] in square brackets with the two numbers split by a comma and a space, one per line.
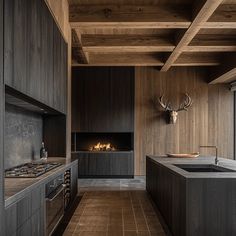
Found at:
[115, 213]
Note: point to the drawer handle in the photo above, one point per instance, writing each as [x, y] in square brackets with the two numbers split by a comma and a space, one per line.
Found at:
[62, 189]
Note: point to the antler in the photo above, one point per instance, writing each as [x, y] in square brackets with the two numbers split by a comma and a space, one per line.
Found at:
[186, 104]
[166, 106]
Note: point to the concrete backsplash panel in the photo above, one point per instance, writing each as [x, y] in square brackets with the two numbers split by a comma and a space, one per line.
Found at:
[23, 136]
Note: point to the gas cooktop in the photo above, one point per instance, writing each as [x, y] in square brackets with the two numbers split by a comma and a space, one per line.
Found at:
[30, 170]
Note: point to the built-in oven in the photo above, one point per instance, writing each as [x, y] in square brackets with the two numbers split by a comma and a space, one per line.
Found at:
[55, 191]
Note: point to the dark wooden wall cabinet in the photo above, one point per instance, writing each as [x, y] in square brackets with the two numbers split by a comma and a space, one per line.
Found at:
[36, 66]
[35, 53]
[103, 111]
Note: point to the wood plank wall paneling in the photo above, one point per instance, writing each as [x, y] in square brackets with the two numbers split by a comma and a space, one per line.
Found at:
[60, 11]
[2, 102]
[68, 123]
[208, 122]
[103, 99]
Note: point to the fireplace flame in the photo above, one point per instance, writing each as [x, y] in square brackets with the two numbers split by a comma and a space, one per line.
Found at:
[102, 147]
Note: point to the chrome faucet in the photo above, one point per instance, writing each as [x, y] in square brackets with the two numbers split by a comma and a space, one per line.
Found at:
[216, 149]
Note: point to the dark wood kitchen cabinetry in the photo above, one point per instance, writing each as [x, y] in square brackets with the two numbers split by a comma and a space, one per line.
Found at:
[168, 192]
[1, 122]
[26, 216]
[33, 53]
[59, 71]
[103, 99]
[193, 203]
[117, 164]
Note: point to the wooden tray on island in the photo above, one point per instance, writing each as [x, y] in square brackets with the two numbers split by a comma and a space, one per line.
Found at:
[183, 155]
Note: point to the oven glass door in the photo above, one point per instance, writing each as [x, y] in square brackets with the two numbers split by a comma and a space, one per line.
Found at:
[54, 209]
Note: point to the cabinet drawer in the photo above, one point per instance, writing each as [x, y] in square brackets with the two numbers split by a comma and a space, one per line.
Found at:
[23, 209]
[11, 220]
[37, 198]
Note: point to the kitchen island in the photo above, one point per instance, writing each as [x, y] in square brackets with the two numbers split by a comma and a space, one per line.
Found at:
[191, 201]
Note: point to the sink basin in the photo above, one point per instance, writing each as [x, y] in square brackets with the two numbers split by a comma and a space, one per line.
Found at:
[202, 168]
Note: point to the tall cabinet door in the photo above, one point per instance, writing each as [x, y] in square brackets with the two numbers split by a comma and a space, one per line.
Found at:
[60, 70]
[16, 13]
[1, 121]
[34, 32]
[23, 46]
[46, 89]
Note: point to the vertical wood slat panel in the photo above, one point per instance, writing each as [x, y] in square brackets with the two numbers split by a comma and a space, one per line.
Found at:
[103, 99]
[208, 122]
[1, 121]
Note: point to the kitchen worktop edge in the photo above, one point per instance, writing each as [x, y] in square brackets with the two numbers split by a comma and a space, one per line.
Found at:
[17, 188]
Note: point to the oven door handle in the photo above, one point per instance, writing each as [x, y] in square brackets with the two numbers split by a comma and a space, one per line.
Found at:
[58, 192]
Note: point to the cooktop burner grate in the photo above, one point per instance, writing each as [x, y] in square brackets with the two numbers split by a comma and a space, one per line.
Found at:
[30, 170]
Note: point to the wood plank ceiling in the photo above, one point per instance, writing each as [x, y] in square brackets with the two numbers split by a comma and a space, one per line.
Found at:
[162, 33]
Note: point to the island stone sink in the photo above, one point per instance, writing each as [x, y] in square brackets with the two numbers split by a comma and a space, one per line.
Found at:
[202, 168]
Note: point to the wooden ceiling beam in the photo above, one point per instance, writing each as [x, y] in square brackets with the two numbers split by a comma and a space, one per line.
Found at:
[123, 59]
[130, 16]
[156, 43]
[149, 59]
[210, 48]
[127, 43]
[202, 16]
[226, 72]
[77, 50]
[198, 59]
[212, 43]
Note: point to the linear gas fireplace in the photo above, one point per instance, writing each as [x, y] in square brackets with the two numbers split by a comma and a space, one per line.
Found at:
[104, 154]
[102, 142]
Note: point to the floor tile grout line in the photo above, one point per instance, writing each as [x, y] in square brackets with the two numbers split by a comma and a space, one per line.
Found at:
[145, 217]
[123, 222]
[81, 214]
[133, 212]
[108, 221]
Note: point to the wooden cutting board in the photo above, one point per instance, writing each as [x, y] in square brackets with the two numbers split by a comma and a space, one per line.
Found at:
[183, 155]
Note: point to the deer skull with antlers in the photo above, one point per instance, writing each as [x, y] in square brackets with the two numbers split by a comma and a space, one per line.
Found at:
[172, 112]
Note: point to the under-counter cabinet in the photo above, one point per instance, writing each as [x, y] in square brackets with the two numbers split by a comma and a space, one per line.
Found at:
[1, 120]
[26, 216]
[105, 164]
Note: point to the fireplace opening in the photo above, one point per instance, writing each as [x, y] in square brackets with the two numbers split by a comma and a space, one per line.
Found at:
[102, 147]
[102, 142]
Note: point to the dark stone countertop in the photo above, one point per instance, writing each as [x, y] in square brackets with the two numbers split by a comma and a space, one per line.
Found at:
[17, 188]
[170, 164]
